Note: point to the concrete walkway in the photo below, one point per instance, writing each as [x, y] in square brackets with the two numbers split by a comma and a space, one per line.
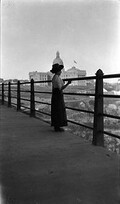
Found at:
[39, 166]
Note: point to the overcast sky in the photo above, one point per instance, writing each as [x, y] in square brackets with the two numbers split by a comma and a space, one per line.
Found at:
[87, 31]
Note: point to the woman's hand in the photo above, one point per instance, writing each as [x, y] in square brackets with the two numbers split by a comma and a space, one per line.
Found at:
[64, 86]
[69, 81]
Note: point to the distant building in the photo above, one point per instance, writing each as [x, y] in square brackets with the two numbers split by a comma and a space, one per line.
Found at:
[1, 80]
[74, 73]
[40, 76]
[70, 73]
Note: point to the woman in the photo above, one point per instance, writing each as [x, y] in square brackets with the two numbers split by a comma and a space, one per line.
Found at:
[58, 112]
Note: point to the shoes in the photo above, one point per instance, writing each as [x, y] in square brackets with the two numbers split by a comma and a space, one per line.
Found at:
[58, 129]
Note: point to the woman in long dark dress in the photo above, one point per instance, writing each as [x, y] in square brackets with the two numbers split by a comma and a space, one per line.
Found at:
[58, 112]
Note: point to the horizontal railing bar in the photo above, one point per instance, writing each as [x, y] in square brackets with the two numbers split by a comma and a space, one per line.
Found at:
[111, 76]
[111, 116]
[43, 112]
[46, 92]
[76, 123]
[80, 78]
[111, 134]
[13, 97]
[110, 96]
[79, 94]
[42, 102]
[80, 110]
[24, 99]
[46, 81]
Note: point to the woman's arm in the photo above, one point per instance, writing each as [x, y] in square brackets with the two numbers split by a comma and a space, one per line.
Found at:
[64, 86]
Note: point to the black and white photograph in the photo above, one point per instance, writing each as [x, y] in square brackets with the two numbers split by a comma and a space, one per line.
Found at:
[60, 102]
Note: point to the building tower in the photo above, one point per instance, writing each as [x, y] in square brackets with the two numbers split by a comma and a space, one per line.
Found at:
[58, 60]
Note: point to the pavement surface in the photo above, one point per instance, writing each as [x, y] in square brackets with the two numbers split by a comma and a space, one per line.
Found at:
[40, 166]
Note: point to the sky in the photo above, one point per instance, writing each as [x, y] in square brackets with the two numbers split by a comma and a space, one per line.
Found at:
[85, 31]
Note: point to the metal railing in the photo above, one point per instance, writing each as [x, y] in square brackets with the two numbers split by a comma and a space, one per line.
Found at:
[17, 90]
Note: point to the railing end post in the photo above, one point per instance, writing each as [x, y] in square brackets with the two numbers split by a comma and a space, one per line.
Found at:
[32, 100]
[98, 136]
[18, 96]
[99, 72]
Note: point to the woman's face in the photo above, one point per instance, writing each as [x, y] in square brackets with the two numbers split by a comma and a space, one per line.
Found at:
[59, 73]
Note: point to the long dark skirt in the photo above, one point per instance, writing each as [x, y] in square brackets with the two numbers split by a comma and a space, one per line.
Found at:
[58, 112]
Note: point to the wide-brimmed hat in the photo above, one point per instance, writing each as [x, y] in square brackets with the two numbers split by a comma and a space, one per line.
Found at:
[56, 68]
[57, 64]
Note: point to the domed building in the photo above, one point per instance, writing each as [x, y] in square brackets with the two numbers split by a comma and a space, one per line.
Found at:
[70, 73]
[58, 60]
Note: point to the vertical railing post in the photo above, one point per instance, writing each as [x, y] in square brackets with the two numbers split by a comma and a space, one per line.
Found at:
[9, 94]
[98, 127]
[18, 96]
[2, 93]
[32, 100]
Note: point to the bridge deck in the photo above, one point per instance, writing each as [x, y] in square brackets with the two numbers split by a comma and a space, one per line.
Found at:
[40, 166]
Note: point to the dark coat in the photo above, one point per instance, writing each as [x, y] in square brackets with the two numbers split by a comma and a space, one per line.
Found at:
[58, 112]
